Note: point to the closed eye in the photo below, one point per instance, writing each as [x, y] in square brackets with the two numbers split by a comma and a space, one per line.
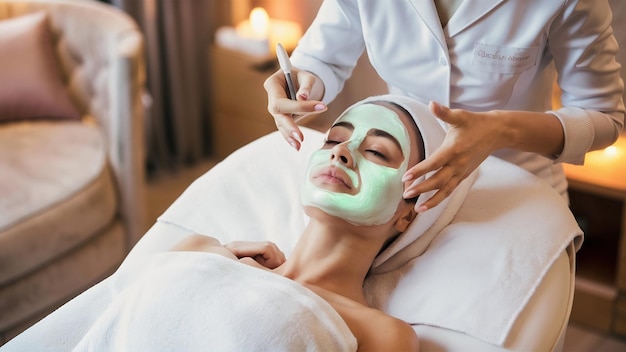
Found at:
[377, 154]
[330, 142]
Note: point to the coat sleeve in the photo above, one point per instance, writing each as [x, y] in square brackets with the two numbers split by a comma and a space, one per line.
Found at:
[582, 43]
[332, 45]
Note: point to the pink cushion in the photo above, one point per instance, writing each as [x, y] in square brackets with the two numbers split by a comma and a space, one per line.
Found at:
[31, 85]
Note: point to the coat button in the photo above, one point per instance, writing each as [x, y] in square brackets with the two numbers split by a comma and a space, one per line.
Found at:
[443, 61]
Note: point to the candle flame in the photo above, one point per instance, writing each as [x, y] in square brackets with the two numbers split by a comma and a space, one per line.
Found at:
[259, 20]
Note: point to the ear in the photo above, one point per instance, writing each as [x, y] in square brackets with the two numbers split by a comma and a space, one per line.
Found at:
[407, 217]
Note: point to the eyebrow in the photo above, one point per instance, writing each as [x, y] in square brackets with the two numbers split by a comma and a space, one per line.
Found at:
[380, 133]
[344, 124]
[372, 132]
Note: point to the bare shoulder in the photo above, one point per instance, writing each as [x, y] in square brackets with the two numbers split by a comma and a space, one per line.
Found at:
[389, 334]
[374, 330]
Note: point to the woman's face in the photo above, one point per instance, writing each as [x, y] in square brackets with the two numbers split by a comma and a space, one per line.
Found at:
[357, 174]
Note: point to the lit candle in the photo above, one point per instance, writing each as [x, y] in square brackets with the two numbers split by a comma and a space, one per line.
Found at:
[250, 36]
[259, 24]
[259, 34]
[253, 33]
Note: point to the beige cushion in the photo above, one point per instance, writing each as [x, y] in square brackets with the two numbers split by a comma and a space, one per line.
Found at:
[56, 192]
[32, 85]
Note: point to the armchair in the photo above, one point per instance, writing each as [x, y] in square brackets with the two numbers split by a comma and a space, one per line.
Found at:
[72, 191]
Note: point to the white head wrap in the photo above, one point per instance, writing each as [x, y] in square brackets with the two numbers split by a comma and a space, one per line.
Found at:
[429, 223]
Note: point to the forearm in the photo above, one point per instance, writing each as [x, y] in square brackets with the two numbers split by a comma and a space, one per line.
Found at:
[258, 253]
[527, 131]
[564, 135]
[201, 243]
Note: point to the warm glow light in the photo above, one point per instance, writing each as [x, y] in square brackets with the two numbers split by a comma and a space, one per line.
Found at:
[259, 21]
[611, 151]
[259, 34]
[285, 32]
[604, 168]
[606, 156]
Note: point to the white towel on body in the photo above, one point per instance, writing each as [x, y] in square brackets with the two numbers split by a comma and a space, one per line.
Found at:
[195, 301]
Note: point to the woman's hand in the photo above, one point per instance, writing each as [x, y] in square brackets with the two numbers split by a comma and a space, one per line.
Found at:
[472, 137]
[310, 90]
[265, 253]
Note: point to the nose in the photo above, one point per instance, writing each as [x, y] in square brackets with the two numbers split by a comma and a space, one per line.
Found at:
[341, 153]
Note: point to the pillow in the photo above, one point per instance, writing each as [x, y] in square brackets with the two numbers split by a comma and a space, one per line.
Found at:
[31, 85]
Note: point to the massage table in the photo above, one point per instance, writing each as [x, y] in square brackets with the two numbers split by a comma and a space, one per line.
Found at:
[498, 276]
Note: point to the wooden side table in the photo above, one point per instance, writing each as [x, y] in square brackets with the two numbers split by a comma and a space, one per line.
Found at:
[601, 302]
[239, 102]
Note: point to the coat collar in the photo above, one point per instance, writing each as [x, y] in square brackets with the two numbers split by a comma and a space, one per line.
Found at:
[468, 12]
[427, 11]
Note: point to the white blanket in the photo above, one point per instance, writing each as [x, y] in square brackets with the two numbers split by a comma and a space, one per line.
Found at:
[475, 277]
[192, 301]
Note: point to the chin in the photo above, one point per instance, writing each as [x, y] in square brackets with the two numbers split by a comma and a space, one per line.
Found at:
[319, 214]
[315, 212]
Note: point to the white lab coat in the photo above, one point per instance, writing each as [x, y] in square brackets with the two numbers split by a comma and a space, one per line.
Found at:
[493, 54]
[619, 27]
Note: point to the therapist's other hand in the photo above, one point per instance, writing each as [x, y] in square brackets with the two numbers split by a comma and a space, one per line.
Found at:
[310, 90]
[471, 138]
[265, 253]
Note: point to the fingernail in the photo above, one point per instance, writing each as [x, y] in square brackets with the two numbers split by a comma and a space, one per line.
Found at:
[296, 136]
[319, 107]
[293, 144]
[409, 194]
[436, 107]
[422, 208]
[304, 96]
[407, 177]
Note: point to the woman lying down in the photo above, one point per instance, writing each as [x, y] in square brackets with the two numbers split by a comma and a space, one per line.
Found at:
[353, 196]
[245, 296]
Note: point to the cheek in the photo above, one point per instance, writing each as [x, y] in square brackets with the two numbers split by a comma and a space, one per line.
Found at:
[382, 182]
[318, 160]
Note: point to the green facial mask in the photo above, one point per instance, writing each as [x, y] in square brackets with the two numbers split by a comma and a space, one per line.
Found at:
[379, 187]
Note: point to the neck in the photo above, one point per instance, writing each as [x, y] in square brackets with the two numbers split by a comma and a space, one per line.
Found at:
[334, 257]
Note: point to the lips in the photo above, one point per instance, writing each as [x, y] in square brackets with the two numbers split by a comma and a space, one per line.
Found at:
[333, 175]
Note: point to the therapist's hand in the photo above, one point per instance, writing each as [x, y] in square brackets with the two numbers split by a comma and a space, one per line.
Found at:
[309, 92]
[471, 138]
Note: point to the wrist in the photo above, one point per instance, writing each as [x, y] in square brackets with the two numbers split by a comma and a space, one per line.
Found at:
[506, 135]
[528, 131]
